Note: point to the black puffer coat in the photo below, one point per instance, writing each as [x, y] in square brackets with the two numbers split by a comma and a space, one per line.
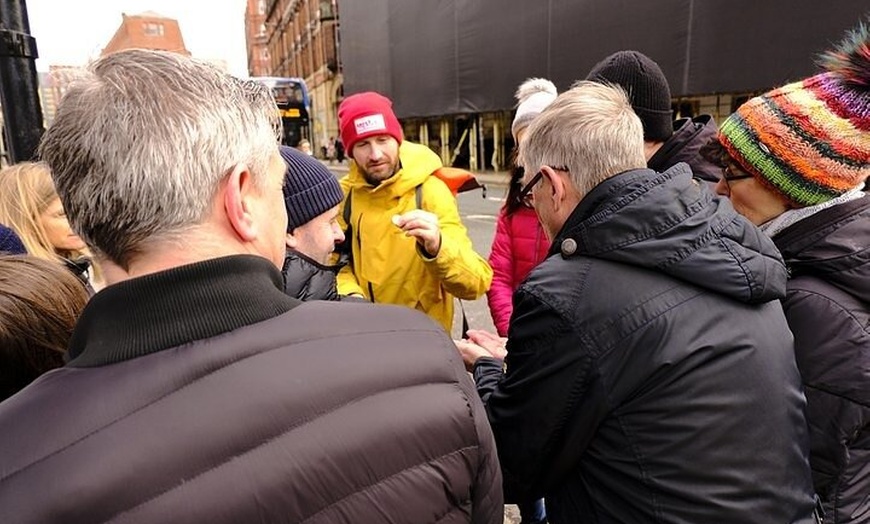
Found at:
[828, 309]
[306, 280]
[650, 370]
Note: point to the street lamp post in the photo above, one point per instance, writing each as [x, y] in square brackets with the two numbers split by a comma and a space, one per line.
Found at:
[19, 87]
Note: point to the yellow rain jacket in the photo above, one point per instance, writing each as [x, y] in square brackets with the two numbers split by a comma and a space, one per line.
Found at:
[386, 266]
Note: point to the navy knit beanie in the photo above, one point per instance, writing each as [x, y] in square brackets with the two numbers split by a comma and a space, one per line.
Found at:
[309, 188]
[647, 89]
[10, 243]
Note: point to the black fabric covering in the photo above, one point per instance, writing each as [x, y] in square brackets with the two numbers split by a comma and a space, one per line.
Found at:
[435, 57]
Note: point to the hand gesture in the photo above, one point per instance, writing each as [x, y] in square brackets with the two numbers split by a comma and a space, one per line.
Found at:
[480, 344]
[489, 341]
[423, 226]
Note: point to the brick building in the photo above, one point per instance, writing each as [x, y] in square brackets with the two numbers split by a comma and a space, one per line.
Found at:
[299, 38]
[255, 38]
[148, 30]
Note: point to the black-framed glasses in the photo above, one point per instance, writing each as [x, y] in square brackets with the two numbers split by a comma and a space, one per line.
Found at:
[731, 171]
[525, 195]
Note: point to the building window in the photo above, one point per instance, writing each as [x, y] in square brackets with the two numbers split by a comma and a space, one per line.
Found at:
[326, 12]
[153, 29]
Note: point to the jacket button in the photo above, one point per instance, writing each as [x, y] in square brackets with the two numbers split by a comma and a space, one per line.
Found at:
[568, 247]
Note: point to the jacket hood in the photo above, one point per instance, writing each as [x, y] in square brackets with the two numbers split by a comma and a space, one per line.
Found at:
[417, 163]
[668, 222]
[690, 135]
[833, 245]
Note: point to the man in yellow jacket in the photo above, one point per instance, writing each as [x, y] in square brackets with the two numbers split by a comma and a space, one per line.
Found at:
[407, 243]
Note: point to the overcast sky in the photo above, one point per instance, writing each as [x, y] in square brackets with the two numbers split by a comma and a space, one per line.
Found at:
[71, 32]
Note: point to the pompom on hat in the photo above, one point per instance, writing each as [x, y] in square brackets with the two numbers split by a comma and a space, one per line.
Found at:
[810, 140]
[367, 114]
[533, 96]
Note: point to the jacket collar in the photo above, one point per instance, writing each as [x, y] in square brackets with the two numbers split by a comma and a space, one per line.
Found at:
[178, 306]
[670, 223]
[832, 245]
[416, 163]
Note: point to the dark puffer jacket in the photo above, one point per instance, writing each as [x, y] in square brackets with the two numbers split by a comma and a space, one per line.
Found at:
[828, 309]
[690, 135]
[306, 280]
[650, 370]
[205, 394]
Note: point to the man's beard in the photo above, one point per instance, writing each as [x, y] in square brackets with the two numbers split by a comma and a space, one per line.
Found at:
[377, 181]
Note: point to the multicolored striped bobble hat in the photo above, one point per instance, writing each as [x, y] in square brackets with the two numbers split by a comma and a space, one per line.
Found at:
[810, 140]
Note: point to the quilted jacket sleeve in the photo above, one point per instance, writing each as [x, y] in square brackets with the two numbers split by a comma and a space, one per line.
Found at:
[487, 498]
[501, 291]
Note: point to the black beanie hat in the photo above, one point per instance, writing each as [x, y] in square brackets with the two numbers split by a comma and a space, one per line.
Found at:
[309, 188]
[646, 86]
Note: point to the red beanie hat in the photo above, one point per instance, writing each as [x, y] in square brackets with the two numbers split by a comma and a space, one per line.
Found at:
[367, 114]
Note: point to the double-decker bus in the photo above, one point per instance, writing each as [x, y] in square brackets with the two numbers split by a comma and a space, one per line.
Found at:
[291, 94]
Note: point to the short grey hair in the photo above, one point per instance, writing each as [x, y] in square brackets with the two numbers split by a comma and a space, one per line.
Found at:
[590, 130]
[142, 140]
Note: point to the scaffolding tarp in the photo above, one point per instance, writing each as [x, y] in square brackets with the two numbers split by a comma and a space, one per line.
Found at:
[437, 57]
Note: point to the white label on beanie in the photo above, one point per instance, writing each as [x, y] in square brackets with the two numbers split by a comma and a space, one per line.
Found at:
[370, 123]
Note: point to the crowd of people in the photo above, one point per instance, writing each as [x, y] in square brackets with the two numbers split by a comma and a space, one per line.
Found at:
[200, 325]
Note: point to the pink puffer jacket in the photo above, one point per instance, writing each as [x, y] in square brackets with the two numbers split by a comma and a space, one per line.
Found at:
[519, 245]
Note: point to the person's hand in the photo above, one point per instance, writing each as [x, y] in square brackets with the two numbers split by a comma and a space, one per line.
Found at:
[489, 341]
[471, 352]
[423, 226]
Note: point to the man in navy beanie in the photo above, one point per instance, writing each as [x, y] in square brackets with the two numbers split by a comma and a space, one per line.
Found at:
[312, 196]
[666, 142]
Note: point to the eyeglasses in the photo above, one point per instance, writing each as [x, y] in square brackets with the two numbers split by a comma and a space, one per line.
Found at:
[731, 171]
[525, 195]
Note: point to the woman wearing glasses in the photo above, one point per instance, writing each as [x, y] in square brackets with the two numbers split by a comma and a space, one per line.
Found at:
[795, 161]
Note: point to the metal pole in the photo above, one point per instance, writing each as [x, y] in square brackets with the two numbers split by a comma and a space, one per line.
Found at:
[19, 86]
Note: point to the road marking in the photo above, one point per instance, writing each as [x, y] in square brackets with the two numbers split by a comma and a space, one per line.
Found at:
[496, 199]
[481, 217]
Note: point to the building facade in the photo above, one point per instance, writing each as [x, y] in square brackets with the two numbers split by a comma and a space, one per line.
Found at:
[255, 38]
[148, 30]
[451, 67]
[299, 38]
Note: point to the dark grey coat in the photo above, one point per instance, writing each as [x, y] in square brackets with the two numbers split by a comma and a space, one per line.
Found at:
[205, 394]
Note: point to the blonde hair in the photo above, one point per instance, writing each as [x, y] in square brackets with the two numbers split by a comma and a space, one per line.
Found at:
[26, 191]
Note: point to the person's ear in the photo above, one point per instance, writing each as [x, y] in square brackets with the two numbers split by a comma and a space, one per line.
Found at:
[558, 186]
[290, 240]
[238, 196]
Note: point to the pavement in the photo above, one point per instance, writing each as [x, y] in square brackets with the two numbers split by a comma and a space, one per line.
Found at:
[487, 178]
